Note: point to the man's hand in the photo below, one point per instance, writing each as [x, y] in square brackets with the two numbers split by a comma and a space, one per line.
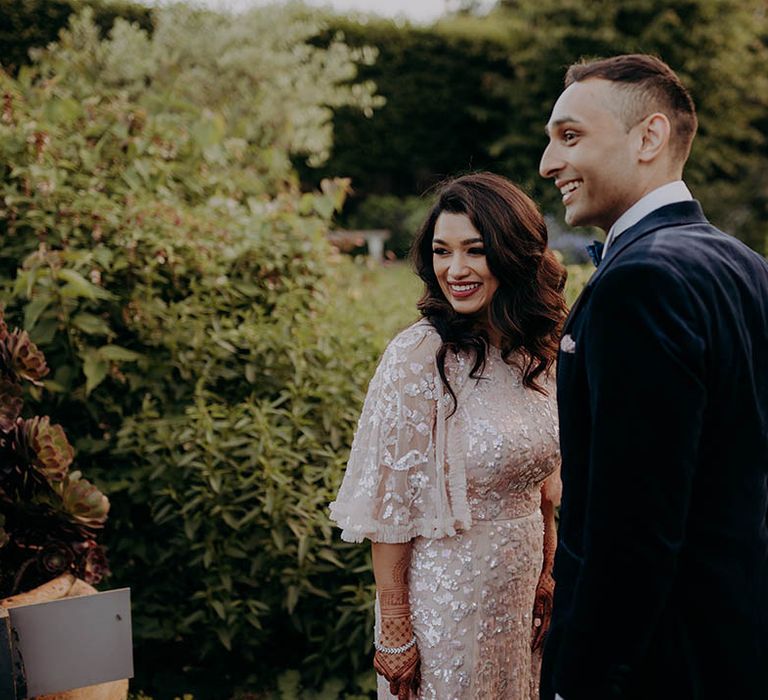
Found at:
[542, 609]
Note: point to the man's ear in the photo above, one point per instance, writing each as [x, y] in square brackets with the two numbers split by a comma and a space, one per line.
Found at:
[654, 134]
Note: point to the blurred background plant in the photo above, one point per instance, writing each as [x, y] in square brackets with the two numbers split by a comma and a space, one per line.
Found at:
[50, 516]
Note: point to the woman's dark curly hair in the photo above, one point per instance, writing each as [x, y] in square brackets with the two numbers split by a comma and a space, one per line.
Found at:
[528, 309]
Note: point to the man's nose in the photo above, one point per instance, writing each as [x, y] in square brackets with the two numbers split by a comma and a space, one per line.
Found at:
[550, 163]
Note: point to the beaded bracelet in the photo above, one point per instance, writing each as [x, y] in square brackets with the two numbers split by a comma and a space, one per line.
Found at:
[394, 650]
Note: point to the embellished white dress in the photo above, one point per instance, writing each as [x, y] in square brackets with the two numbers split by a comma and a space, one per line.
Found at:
[466, 489]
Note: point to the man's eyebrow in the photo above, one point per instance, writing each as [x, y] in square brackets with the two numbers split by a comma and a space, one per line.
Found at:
[467, 241]
[559, 122]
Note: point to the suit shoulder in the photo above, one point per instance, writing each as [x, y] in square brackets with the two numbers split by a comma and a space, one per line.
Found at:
[639, 280]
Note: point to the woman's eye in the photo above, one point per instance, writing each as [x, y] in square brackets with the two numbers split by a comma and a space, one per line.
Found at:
[477, 251]
[569, 136]
[439, 251]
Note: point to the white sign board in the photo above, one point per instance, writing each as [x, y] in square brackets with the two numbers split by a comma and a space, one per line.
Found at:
[75, 642]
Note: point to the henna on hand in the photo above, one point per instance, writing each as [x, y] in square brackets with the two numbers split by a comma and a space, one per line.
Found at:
[401, 670]
[542, 610]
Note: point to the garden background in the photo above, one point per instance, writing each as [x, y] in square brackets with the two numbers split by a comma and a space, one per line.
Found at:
[169, 177]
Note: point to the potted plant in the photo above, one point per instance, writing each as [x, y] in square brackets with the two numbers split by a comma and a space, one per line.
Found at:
[50, 516]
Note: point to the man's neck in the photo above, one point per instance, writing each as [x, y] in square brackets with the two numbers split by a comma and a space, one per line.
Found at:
[668, 193]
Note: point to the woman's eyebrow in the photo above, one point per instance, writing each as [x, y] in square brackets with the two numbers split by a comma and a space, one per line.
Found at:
[468, 241]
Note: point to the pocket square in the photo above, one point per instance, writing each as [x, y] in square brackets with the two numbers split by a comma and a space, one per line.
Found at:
[568, 344]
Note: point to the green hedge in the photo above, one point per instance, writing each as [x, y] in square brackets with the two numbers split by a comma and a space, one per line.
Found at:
[157, 247]
[444, 107]
[33, 24]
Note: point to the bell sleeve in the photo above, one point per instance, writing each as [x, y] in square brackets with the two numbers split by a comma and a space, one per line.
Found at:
[397, 484]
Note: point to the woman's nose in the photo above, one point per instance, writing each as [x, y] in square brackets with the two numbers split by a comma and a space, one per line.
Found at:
[458, 266]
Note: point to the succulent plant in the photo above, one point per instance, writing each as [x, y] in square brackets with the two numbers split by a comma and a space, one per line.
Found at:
[10, 404]
[93, 566]
[45, 446]
[55, 558]
[84, 502]
[21, 358]
[48, 516]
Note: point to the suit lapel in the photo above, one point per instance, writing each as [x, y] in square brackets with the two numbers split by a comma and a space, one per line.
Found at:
[678, 214]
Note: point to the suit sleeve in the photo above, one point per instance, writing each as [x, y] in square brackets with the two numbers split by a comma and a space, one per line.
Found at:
[645, 358]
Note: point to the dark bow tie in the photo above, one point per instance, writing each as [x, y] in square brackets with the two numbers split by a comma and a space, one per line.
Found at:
[595, 251]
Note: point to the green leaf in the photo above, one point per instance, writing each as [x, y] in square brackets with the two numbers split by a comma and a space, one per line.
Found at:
[78, 286]
[34, 309]
[64, 111]
[291, 598]
[215, 481]
[324, 206]
[219, 608]
[94, 368]
[44, 331]
[117, 354]
[225, 637]
[303, 548]
[230, 520]
[92, 325]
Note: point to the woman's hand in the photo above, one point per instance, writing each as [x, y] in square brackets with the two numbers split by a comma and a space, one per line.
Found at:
[390, 567]
[403, 671]
[542, 609]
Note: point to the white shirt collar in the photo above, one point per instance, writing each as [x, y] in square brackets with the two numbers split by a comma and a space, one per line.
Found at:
[670, 193]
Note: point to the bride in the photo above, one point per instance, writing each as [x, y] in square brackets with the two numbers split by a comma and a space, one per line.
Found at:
[453, 473]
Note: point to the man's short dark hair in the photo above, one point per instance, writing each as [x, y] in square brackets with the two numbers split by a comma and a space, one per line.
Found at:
[650, 85]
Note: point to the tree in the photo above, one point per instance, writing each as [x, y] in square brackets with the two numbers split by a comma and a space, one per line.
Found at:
[719, 49]
[441, 112]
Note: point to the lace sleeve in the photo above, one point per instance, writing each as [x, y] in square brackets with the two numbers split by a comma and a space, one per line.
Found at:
[394, 487]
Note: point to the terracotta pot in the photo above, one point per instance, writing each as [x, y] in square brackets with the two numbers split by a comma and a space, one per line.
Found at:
[67, 586]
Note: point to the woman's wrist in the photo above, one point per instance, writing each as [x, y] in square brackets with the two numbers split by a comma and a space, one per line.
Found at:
[395, 650]
[394, 599]
[396, 629]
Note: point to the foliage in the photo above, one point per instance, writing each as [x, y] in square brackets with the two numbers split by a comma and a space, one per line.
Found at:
[49, 516]
[578, 276]
[441, 115]
[718, 47]
[474, 92]
[402, 217]
[31, 24]
[182, 286]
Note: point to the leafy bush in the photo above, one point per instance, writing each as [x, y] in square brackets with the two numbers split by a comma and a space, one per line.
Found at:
[157, 248]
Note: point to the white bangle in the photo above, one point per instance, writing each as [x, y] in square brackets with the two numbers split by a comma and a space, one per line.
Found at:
[394, 650]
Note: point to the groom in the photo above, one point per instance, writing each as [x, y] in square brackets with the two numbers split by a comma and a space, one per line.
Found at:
[662, 566]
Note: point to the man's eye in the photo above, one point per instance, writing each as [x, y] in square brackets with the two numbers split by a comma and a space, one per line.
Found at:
[569, 136]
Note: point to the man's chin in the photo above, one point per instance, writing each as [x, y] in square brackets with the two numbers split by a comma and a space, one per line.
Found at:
[572, 217]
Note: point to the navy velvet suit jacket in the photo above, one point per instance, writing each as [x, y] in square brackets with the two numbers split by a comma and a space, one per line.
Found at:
[662, 562]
